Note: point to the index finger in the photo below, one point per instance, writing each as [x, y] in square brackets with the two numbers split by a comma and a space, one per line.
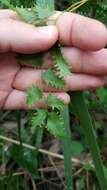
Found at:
[82, 32]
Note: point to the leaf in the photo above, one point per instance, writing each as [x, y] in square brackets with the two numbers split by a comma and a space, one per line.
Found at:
[50, 78]
[61, 64]
[102, 94]
[105, 171]
[54, 102]
[7, 4]
[25, 158]
[76, 148]
[88, 167]
[34, 94]
[79, 105]
[31, 59]
[55, 125]
[27, 14]
[44, 8]
[103, 4]
[39, 118]
[97, 125]
[44, 3]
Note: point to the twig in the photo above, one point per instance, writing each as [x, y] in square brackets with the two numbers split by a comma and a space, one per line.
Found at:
[46, 152]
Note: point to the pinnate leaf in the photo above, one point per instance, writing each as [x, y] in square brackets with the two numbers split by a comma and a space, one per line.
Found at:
[38, 119]
[61, 65]
[55, 125]
[44, 8]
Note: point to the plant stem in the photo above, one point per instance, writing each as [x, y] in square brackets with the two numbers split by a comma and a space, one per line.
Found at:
[80, 108]
[42, 151]
[19, 126]
[67, 150]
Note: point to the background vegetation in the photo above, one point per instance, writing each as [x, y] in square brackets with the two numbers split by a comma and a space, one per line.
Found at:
[29, 169]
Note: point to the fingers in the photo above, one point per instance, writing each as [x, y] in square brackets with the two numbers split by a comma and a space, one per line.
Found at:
[8, 70]
[3, 96]
[82, 82]
[73, 29]
[86, 61]
[31, 76]
[82, 32]
[17, 100]
[24, 38]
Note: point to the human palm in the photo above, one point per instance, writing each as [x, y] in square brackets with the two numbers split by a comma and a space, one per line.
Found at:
[83, 47]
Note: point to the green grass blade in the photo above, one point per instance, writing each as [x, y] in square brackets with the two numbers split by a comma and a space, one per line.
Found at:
[19, 126]
[67, 150]
[78, 103]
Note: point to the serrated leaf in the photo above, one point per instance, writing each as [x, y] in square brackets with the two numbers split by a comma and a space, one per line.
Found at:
[27, 14]
[44, 3]
[31, 59]
[38, 119]
[54, 102]
[34, 94]
[50, 78]
[55, 125]
[61, 64]
[43, 13]
[44, 8]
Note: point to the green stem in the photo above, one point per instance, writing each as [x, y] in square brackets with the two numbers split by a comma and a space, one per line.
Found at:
[39, 137]
[80, 108]
[67, 150]
[19, 126]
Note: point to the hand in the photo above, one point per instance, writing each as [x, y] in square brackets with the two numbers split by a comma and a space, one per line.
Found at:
[80, 36]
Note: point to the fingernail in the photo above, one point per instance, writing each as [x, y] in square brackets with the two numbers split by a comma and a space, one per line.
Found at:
[48, 31]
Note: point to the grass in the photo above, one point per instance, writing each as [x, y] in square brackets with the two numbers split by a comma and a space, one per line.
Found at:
[81, 111]
[67, 150]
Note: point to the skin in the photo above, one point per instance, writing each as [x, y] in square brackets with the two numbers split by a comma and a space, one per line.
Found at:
[83, 41]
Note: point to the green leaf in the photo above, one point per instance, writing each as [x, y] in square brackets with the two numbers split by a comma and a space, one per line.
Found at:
[88, 167]
[35, 60]
[54, 102]
[39, 118]
[27, 14]
[97, 125]
[76, 148]
[25, 158]
[50, 78]
[105, 171]
[7, 4]
[55, 125]
[66, 143]
[34, 94]
[79, 105]
[102, 93]
[44, 8]
[45, 3]
[61, 64]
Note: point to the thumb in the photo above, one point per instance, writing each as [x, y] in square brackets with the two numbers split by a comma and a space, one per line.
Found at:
[25, 38]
